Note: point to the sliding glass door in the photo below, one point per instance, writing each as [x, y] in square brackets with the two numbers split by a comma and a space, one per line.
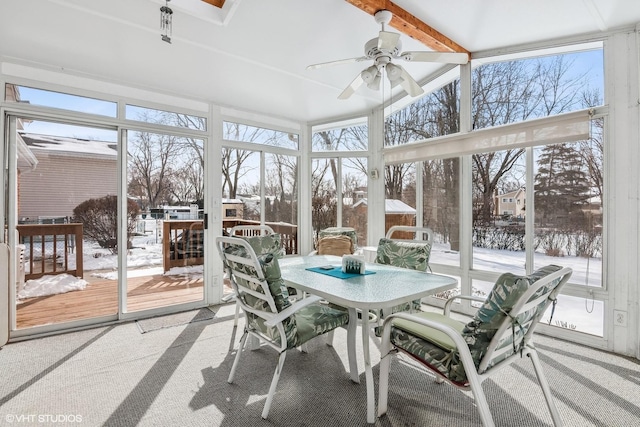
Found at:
[63, 197]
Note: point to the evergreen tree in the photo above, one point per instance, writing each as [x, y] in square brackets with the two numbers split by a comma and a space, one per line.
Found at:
[561, 187]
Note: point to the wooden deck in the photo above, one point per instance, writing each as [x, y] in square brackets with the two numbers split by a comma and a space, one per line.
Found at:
[100, 298]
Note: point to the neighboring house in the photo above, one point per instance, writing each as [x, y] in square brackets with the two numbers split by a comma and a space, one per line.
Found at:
[396, 213]
[67, 171]
[511, 203]
[360, 194]
[232, 209]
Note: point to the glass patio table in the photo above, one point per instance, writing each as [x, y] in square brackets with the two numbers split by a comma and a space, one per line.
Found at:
[387, 287]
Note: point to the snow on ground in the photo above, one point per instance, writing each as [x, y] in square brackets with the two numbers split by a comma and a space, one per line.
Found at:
[49, 285]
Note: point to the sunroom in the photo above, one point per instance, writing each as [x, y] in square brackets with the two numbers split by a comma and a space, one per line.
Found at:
[517, 148]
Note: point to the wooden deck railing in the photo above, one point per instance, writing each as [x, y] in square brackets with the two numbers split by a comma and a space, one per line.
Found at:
[183, 240]
[49, 247]
[288, 232]
[182, 243]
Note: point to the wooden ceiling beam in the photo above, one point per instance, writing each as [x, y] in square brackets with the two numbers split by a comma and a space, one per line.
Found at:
[408, 24]
[216, 3]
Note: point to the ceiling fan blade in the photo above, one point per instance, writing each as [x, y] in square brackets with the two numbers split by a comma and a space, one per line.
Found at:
[350, 90]
[387, 40]
[410, 85]
[445, 57]
[339, 61]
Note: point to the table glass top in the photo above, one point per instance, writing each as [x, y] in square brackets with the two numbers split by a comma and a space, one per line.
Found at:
[387, 287]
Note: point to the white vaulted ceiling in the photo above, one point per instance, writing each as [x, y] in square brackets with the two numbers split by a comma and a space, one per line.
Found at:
[252, 54]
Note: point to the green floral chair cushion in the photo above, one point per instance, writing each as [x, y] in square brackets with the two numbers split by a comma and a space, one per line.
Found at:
[405, 254]
[441, 355]
[269, 244]
[431, 347]
[279, 292]
[309, 322]
[316, 319]
[504, 294]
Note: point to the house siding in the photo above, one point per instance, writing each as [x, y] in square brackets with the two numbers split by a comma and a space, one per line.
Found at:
[61, 182]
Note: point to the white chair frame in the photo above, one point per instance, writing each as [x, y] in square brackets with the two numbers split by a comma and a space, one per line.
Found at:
[272, 318]
[418, 231]
[248, 230]
[476, 377]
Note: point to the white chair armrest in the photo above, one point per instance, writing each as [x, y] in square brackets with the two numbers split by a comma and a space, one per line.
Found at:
[447, 305]
[287, 312]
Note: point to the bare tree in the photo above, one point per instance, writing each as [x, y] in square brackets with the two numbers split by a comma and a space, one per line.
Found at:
[592, 149]
[282, 184]
[234, 159]
[150, 158]
[233, 169]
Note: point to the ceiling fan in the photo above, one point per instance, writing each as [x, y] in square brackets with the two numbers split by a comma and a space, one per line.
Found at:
[383, 50]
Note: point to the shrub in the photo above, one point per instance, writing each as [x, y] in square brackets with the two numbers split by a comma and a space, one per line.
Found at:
[99, 218]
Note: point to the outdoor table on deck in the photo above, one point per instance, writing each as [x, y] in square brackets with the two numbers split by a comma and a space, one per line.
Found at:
[388, 287]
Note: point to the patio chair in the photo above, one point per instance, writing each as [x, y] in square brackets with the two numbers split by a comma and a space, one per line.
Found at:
[250, 230]
[336, 241]
[260, 246]
[410, 253]
[270, 316]
[350, 232]
[464, 355]
[338, 245]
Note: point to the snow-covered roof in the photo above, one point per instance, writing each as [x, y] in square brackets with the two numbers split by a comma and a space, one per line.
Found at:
[70, 146]
[392, 206]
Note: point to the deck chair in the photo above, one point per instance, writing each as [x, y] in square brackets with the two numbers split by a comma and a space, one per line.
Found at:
[270, 316]
[464, 355]
[411, 252]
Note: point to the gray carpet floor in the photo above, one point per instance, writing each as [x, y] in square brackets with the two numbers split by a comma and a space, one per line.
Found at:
[176, 376]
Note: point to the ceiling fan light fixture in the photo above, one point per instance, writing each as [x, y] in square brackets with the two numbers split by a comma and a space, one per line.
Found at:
[394, 72]
[375, 83]
[369, 74]
[383, 51]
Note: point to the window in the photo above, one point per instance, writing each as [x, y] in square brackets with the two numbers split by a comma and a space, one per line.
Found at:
[354, 196]
[324, 203]
[494, 236]
[441, 210]
[568, 208]
[233, 131]
[523, 89]
[47, 98]
[167, 118]
[347, 138]
[281, 189]
[435, 114]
